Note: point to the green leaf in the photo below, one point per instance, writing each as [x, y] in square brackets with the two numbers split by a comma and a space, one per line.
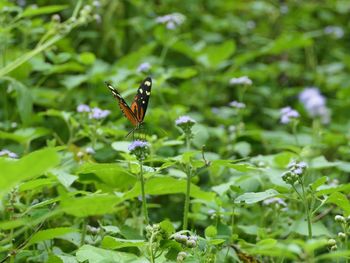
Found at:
[92, 254]
[24, 136]
[110, 242]
[110, 174]
[341, 201]
[211, 231]
[167, 226]
[320, 162]
[319, 182]
[160, 186]
[52, 233]
[90, 205]
[251, 198]
[31, 11]
[66, 179]
[121, 146]
[213, 55]
[24, 102]
[34, 164]
[239, 167]
[87, 58]
[318, 228]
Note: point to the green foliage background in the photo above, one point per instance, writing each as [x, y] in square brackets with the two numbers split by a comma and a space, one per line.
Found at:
[56, 55]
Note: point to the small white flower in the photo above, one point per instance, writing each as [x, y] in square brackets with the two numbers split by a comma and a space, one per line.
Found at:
[90, 150]
[8, 153]
[244, 80]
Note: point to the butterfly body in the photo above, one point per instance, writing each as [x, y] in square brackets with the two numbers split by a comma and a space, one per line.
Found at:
[136, 112]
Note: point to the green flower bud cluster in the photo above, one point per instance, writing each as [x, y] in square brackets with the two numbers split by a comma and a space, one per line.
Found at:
[181, 256]
[187, 241]
[296, 170]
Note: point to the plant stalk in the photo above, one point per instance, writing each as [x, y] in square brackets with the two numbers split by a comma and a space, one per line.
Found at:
[144, 202]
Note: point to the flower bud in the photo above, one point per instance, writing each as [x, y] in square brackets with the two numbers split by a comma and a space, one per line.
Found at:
[339, 218]
[331, 242]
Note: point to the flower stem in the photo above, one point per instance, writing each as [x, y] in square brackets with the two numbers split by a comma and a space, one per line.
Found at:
[307, 211]
[144, 203]
[188, 188]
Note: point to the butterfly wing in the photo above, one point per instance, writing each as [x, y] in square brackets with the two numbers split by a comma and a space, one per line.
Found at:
[140, 102]
[123, 106]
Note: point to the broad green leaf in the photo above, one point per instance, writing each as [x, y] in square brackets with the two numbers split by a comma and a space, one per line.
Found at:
[121, 146]
[110, 174]
[286, 42]
[321, 163]
[90, 205]
[167, 227]
[24, 102]
[73, 81]
[36, 183]
[335, 255]
[237, 166]
[211, 231]
[66, 179]
[213, 55]
[90, 254]
[341, 201]
[31, 11]
[110, 242]
[251, 198]
[319, 182]
[160, 186]
[34, 164]
[318, 228]
[87, 58]
[25, 135]
[52, 233]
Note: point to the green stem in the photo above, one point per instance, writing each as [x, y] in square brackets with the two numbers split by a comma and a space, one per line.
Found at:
[294, 131]
[150, 246]
[19, 61]
[307, 210]
[144, 203]
[188, 188]
[83, 232]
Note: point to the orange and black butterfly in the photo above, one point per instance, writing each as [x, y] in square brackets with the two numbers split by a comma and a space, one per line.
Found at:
[136, 113]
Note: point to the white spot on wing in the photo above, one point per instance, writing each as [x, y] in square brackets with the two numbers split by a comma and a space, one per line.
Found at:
[147, 83]
[141, 90]
[148, 92]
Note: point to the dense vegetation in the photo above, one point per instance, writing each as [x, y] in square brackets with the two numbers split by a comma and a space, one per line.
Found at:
[244, 155]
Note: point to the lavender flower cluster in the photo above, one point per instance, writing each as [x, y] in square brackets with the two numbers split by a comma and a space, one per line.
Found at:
[94, 113]
[171, 21]
[237, 105]
[288, 114]
[315, 104]
[5, 152]
[295, 172]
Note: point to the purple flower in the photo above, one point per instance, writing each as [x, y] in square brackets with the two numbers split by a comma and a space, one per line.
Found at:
[244, 80]
[144, 67]
[287, 113]
[237, 105]
[184, 120]
[83, 108]
[171, 20]
[8, 153]
[315, 104]
[137, 144]
[98, 114]
[335, 31]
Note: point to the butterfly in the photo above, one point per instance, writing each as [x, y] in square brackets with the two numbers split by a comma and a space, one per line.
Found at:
[136, 112]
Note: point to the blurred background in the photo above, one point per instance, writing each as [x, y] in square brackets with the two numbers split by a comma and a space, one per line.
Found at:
[192, 51]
